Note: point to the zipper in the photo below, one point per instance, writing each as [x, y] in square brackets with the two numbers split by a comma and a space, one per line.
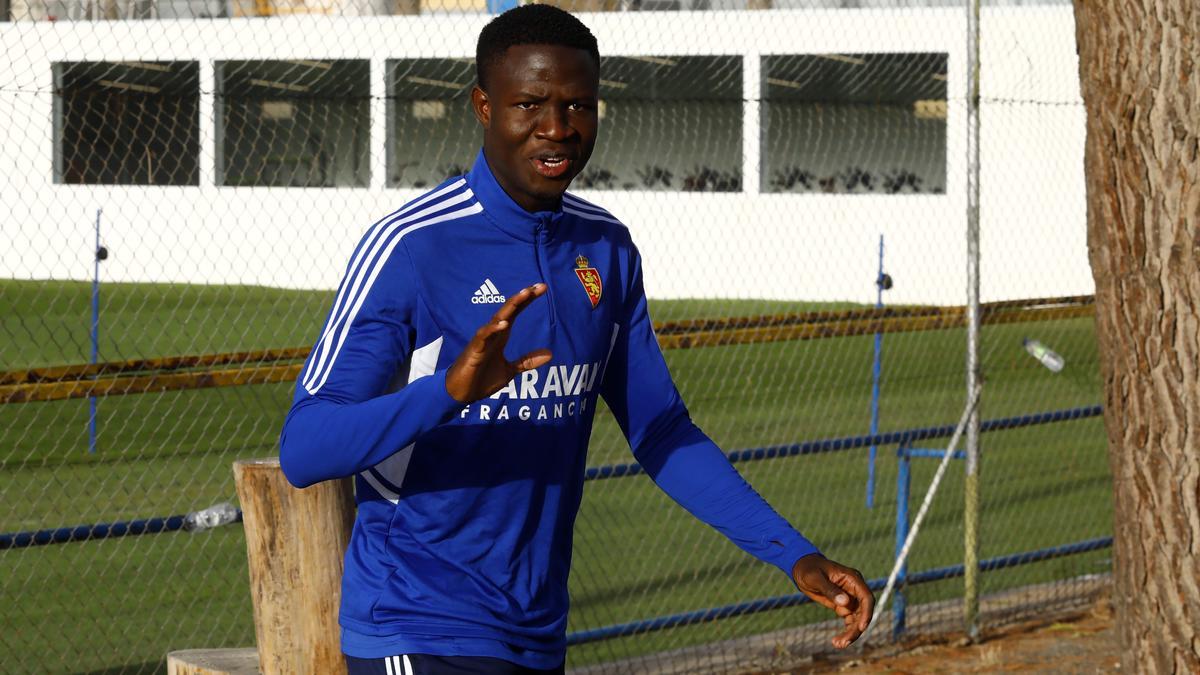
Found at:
[540, 235]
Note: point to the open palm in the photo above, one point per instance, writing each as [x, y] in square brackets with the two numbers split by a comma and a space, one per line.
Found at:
[482, 369]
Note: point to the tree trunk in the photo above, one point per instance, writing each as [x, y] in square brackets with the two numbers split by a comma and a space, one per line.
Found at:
[1137, 66]
[295, 540]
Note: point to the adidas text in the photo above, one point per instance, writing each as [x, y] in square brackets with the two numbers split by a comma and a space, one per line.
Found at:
[487, 294]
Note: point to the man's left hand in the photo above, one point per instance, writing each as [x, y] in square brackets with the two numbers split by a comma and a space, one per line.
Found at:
[839, 588]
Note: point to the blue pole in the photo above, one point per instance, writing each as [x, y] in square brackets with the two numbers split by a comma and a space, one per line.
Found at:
[97, 256]
[876, 369]
[903, 484]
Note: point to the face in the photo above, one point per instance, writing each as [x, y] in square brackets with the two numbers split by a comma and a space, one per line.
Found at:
[539, 120]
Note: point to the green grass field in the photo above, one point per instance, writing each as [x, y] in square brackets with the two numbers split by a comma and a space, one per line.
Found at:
[101, 606]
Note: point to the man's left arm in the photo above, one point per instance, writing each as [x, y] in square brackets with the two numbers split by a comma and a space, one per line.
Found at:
[693, 471]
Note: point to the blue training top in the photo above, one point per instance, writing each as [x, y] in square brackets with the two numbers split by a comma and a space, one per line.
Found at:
[462, 542]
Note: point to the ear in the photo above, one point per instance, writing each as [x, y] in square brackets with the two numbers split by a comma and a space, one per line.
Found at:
[482, 106]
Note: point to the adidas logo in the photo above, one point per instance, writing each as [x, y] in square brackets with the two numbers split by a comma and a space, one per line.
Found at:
[487, 294]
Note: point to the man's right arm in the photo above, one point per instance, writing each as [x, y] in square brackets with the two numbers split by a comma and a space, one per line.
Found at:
[343, 420]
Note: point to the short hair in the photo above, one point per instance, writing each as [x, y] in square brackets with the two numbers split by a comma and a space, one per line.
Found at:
[530, 25]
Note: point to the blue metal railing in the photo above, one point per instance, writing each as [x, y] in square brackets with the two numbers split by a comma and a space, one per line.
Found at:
[63, 535]
[152, 525]
[852, 442]
[903, 439]
[198, 520]
[781, 601]
[905, 451]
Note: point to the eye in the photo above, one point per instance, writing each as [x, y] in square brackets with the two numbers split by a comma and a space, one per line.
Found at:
[579, 106]
[526, 105]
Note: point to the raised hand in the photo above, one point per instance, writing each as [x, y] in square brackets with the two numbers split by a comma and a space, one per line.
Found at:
[482, 369]
[839, 588]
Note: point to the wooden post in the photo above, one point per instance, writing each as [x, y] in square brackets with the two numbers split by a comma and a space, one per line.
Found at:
[295, 540]
[242, 661]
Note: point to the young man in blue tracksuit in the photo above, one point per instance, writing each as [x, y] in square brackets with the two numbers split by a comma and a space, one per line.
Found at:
[469, 466]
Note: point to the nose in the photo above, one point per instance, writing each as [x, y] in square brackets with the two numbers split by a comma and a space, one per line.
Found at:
[553, 125]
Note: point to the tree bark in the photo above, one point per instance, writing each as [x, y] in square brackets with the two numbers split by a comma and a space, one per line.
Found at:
[1137, 61]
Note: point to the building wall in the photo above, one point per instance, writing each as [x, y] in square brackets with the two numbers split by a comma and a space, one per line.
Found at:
[746, 244]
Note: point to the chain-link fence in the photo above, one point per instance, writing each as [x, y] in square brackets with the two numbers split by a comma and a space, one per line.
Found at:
[794, 173]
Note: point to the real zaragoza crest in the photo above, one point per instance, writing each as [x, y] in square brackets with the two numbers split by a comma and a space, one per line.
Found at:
[590, 278]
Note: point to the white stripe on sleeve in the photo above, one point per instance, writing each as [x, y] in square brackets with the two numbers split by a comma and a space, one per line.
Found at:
[584, 204]
[591, 216]
[314, 384]
[387, 477]
[612, 342]
[350, 288]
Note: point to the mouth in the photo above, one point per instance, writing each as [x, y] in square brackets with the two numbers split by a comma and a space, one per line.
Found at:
[552, 165]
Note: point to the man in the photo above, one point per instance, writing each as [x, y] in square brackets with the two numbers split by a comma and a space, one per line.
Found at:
[468, 466]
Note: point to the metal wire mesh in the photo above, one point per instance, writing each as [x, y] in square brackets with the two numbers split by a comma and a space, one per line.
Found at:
[772, 160]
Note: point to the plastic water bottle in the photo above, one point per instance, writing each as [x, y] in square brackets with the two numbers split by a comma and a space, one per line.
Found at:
[1047, 356]
[214, 516]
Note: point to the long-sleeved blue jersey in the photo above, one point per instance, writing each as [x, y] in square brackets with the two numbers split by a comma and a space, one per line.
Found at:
[462, 542]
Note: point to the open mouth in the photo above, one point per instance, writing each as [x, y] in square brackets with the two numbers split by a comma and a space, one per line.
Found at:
[552, 166]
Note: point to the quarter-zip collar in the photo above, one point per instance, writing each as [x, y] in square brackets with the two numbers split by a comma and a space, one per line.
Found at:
[506, 213]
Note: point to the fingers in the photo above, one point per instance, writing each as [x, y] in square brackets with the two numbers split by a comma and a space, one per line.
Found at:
[853, 582]
[860, 607]
[850, 633]
[534, 359]
[829, 594]
[481, 369]
[516, 303]
[502, 320]
[487, 333]
[846, 637]
[840, 589]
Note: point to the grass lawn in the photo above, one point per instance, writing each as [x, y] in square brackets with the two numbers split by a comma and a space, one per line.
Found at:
[100, 606]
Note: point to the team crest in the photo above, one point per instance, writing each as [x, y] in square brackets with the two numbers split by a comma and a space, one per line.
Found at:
[590, 278]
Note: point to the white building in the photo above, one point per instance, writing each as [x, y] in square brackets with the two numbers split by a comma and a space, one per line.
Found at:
[755, 153]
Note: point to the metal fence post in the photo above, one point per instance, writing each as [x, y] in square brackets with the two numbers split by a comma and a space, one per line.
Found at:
[882, 283]
[974, 375]
[100, 253]
[903, 485]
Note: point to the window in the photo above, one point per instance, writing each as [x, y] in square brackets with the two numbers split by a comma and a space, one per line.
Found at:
[130, 123]
[668, 123]
[665, 123]
[854, 123]
[432, 133]
[293, 123]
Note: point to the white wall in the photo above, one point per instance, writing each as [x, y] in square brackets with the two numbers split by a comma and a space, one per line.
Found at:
[743, 245]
